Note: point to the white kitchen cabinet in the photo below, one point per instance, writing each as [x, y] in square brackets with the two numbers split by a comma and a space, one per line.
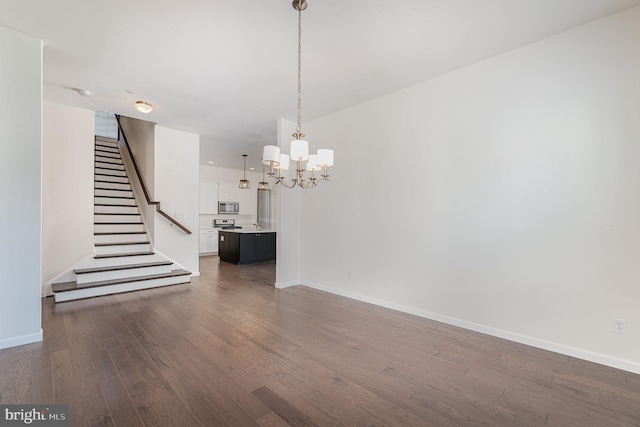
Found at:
[208, 242]
[208, 197]
[228, 192]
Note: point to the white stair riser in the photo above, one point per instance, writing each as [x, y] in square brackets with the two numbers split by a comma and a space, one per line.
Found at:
[117, 238]
[108, 154]
[123, 260]
[122, 249]
[125, 287]
[117, 218]
[108, 164]
[113, 185]
[121, 274]
[113, 193]
[106, 146]
[101, 149]
[110, 172]
[109, 151]
[105, 140]
[103, 146]
[115, 209]
[111, 201]
[122, 179]
[117, 228]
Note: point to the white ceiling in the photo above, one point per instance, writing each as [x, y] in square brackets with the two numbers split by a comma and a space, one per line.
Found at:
[226, 69]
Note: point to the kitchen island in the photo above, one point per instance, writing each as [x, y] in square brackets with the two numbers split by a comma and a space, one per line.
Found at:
[244, 246]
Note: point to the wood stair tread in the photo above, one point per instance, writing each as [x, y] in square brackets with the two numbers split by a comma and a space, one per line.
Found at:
[110, 174]
[116, 213]
[101, 159]
[120, 243]
[127, 254]
[121, 267]
[71, 286]
[115, 197]
[105, 168]
[114, 205]
[117, 223]
[110, 233]
[111, 189]
[111, 182]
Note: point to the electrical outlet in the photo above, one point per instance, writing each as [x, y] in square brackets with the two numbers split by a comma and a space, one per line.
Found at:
[349, 275]
[619, 326]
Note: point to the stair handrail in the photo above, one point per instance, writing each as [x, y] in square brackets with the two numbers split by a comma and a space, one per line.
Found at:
[142, 183]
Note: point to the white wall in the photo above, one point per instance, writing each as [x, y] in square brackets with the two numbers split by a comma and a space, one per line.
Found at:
[517, 186]
[289, 219]
[67, 189]
[177, 157]
[140, 135]
[20, 188]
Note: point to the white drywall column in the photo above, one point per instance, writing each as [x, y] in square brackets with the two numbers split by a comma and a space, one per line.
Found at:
[20, 188]
[177, 155]
[67, 188]
[288, 235]
[515, 190]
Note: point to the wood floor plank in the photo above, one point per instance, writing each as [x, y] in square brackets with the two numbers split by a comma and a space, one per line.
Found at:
[289, 413]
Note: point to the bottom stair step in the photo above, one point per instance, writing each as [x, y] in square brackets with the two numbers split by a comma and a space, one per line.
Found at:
[126, 254]
[68, 291]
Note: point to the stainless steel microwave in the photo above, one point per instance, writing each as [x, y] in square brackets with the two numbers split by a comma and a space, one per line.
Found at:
[228, 207]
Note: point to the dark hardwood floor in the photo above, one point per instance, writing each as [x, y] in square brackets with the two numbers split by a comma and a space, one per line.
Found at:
[229, 349]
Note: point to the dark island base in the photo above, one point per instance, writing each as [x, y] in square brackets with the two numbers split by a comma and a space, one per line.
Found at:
[246, 248]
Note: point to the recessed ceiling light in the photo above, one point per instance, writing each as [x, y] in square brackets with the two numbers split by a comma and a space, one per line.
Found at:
[143, 107]
[83, 92]
[252, 169]
[210, 163]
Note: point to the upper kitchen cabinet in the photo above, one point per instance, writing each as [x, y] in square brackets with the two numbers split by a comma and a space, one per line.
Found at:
[228, 192]
[208, 197]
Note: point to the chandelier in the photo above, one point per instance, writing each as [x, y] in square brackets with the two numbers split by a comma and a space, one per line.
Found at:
[305, 162]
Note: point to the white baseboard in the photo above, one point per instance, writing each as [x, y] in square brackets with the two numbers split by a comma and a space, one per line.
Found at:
[195, 274]
[22, 340]
[614, 362]
[285, 285]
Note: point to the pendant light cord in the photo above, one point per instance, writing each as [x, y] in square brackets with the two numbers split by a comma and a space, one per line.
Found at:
[299, 127]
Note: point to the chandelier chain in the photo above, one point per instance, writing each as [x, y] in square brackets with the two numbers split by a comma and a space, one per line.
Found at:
[299, 127]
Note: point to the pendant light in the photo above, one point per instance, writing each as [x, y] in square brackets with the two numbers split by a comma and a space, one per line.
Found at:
[299, 147]
[263, 185]
[244, 183]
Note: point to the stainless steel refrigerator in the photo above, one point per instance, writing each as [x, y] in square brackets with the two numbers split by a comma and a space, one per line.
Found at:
[264, 209]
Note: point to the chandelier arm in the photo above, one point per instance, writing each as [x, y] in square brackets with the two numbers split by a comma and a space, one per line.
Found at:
[281, 180]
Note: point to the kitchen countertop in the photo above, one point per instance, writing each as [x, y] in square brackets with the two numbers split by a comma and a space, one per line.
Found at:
[248, 230]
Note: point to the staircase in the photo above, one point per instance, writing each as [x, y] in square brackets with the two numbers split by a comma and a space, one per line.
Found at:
[124, 260]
